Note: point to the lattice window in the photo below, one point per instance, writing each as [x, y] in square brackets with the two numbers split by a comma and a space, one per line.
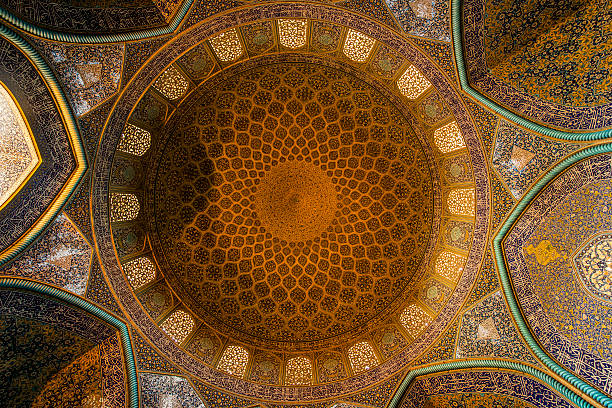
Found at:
[172, 84]
[362, 357]
[139, 271]
[298, 371]
[124, 207]
[178, 325]
[18, 156]
[358, 46]
[134, 140]
[461, 201]
[414, 319]
[448, 138]
[292, 33]
[227, 45]
[412, 83]
[234, 361]
[450, 265]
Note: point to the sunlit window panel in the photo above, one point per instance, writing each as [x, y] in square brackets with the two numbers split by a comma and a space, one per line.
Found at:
[124, 207]
[139, 271]
[178, 325]
[450, 265]
[292, 33]
[298, 371]
[18, 156]
[172, 84]
[234, 361]
[448, 138]
[134, 140]
[414, 319]
[412, 83]
[362, 357]
[461, 201]
[357, 46]
[227, 45]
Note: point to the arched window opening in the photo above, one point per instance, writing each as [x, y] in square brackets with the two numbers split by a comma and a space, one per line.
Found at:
[448, 138]
[362, 357]
[414, 319]
[234, 361]
[172, 84]
[139, 271]
[227, 45]
[412, 83]
[461, 201]
[450, 265]
[124, 207]
[358, 46]
[299, 371]
[178, 325]
[134, 140]
[292, 33]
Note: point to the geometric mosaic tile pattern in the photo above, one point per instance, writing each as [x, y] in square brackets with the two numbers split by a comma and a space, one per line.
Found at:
[487, 331]
[521, 157]
[561, 235]
[18, 156]
[62, 257]
[167, 391]
[423, 18]
[89, 73]
[482, 389]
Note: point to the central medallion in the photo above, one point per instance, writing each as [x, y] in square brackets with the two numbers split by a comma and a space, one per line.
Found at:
[296, 201]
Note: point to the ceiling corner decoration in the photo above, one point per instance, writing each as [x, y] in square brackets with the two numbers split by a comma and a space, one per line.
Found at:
[583, 115]
[58, 316]
[527, 250]
[62, 158]
[88, 23]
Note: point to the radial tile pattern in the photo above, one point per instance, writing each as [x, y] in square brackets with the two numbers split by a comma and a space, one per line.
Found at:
[293, 207]
[294, 204]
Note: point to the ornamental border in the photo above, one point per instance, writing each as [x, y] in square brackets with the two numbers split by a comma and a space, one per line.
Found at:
[53, 35]
[92, 309]
[486, 364]
[51, 212]
[457, 42]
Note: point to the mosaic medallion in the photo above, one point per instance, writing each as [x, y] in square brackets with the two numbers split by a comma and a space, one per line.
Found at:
[594, 266]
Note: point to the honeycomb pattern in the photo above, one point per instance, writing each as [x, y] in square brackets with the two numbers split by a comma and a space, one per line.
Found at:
[291, 203]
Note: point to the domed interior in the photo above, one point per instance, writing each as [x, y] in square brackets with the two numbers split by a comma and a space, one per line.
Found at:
[291, 203]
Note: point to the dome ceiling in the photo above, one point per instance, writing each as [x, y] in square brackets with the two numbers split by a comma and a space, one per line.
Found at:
[305, 211]
[331, 205]
[292, 202]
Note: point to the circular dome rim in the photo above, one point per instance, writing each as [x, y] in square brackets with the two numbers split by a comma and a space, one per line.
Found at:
[131, 94]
